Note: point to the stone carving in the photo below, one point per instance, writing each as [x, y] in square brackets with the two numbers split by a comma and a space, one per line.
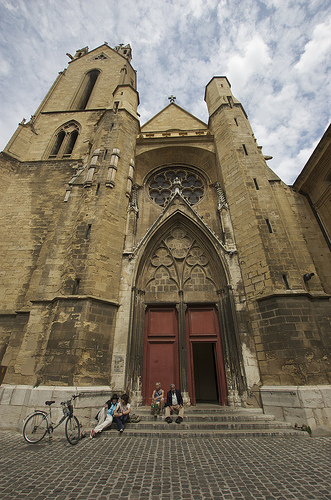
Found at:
[163, 184]
[101, 57]
[179, 263]
[221, 200]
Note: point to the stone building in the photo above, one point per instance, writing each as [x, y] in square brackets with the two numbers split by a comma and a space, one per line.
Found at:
[164, 251]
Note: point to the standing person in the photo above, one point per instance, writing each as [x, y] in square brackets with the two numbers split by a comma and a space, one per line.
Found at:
[105, 415]
[122, 412]
[157, 399]
[174, 404]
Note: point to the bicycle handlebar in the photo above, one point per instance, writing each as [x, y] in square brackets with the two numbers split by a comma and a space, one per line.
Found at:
[74, 396]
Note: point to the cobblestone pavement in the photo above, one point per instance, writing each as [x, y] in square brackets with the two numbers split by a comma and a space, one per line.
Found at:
[169, 469]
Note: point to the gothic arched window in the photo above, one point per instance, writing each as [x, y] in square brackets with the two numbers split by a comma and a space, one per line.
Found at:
[85, 91]
[64, 141]
[70, 143]
[59, 138]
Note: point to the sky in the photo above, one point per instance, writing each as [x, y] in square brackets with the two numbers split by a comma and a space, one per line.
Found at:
[275, 53]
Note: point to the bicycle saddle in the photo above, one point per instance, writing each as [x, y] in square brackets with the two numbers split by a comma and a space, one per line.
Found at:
[49, 403]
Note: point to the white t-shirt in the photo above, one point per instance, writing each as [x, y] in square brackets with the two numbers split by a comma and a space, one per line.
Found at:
[174, 399]
[123, 408]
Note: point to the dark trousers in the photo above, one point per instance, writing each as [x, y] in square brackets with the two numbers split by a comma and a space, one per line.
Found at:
[121, 421]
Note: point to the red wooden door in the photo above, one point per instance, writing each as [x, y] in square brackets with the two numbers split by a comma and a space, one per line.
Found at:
[202, 327]
[160, 350]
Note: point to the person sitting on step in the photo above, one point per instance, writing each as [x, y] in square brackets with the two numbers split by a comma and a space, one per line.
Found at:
[174, 404]
[157, 399]
[105, 415]
[122, 412]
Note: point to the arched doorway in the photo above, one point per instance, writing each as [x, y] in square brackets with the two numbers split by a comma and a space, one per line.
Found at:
[176, 321]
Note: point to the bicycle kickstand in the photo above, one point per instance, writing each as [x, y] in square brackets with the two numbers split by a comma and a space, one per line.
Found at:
[50, 433]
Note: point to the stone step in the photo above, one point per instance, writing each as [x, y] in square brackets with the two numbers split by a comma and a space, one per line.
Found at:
[209, 409]
[176, 431]
[208, 420]
[210, 425]
[211, 417]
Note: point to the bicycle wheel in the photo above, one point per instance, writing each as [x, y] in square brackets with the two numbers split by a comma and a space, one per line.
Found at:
[72, 430]
[35, 428]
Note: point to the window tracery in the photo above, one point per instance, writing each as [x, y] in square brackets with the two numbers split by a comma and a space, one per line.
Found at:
[164, 183]
[64, 141]
[179, 263]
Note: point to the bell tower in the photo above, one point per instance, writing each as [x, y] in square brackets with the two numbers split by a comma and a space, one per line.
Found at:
[74, 159]
[270, 230]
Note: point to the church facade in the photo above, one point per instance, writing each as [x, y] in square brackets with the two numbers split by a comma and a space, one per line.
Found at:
[167, 251]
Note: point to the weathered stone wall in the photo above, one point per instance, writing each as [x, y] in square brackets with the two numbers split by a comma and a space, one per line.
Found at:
[31, 210]
[314, 185]
[62, 239]
[302, 405]
[293, 345]
[65, 342]
[18, 401]
[12, 330]
[316, 243]
[269, 222]
[78, 344]
[266, 224]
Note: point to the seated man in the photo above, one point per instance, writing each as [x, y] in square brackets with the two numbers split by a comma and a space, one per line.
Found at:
[174, 403]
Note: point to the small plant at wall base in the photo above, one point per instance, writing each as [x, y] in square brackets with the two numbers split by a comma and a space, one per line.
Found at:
[303, 427]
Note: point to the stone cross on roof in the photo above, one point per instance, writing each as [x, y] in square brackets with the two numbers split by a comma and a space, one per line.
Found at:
[172, 98]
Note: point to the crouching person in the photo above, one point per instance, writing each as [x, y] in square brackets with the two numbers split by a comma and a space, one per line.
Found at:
[122, 412]
[105, 415]
[174, 404]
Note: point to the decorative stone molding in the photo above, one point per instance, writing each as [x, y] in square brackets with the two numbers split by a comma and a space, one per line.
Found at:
[229, 250]
[112, 169]
[221, 200]
[179, 263]
[130, 179]
[73, 180]
[91, 170]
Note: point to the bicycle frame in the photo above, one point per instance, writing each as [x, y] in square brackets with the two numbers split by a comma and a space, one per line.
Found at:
[50, 424]
[67, 409]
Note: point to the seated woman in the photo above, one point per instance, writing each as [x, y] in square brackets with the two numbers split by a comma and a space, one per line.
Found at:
[157, 399]
[105, 415]
[122, 412]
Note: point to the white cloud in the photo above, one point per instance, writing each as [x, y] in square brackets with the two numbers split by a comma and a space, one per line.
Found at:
[274, 53]
[317, 50]
[10, 6]
[254, 61]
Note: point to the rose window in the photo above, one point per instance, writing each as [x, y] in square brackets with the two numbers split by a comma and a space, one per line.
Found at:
[162, 185]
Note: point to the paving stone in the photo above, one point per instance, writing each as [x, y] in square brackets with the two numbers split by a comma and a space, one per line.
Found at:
[146, 468]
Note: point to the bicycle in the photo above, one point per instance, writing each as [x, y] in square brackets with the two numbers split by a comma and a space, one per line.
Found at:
[39, 423]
